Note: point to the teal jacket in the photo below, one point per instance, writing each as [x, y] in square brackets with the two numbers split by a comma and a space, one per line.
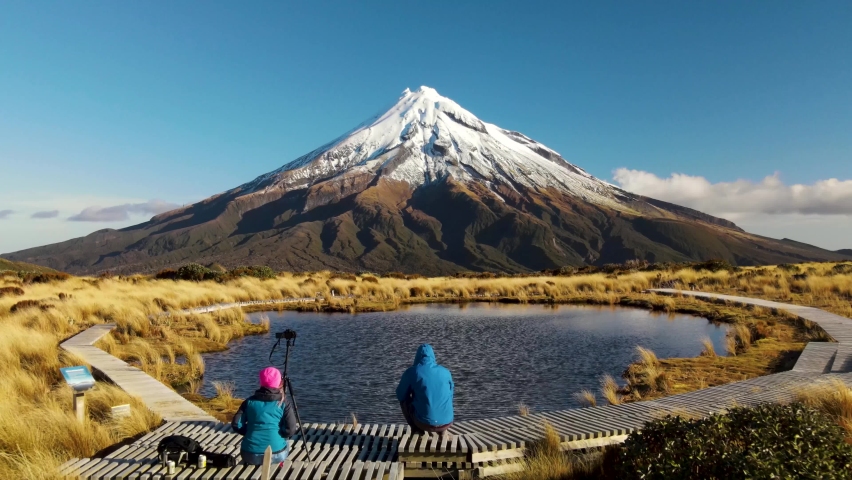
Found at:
[264, 422]
[429, 387]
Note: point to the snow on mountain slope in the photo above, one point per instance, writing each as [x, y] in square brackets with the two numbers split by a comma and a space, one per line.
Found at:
[426, 137]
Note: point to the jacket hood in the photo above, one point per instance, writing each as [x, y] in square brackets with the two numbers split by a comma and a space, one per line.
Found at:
[265, 394]
[425, 355]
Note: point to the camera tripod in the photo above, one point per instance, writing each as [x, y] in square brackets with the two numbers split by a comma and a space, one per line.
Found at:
[290, 337]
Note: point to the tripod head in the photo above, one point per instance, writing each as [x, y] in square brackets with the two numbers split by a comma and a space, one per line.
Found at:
[290, 337]
[287, 335]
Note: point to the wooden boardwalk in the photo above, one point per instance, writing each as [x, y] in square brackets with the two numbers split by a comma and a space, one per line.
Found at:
[476, 447]
[158, 397]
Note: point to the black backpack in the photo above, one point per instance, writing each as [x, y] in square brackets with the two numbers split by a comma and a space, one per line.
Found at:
[179, 449]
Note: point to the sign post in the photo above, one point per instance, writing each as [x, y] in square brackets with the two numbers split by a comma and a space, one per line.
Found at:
[80, 379]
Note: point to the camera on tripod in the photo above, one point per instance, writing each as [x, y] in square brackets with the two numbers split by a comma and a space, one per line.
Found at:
[290, 336]
[286, 335]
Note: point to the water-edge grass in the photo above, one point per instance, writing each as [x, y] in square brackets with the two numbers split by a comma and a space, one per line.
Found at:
[40, 432]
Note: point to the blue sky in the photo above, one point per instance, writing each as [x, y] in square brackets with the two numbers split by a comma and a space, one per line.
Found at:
[110, 104]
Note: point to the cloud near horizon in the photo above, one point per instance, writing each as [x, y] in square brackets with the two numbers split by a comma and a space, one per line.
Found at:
[122, 212]
[47, 214]
[770, 196]
[5, 213]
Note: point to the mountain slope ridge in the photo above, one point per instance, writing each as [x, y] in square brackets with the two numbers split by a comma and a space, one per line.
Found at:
[424, 187]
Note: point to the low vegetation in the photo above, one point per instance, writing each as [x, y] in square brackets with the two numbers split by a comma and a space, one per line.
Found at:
[38, 309]
[768, 441]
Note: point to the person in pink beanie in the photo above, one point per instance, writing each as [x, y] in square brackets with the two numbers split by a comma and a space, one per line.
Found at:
[265, 419]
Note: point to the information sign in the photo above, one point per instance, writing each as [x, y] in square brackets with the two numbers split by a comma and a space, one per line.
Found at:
[79, 378]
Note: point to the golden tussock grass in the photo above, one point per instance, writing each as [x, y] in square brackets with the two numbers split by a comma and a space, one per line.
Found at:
[222, 406]
[170, 347]
[609, 390]
[39, 432]
[834, 399]
[709, 350]
[586, 398]
[545, 460]
[742, 335]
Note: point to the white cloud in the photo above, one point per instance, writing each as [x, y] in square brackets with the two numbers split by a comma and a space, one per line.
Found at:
[46, 214]
[122, 212]
[769, 196]
[5, 213]
[819, 213]
[19, 231]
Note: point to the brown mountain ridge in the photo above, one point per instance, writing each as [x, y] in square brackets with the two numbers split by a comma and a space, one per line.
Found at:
[424, 188]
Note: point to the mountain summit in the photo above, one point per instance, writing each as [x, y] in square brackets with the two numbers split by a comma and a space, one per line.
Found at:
[424, 187]
[425, 138]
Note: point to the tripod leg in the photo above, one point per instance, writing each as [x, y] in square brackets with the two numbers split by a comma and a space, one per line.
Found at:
[298, 420]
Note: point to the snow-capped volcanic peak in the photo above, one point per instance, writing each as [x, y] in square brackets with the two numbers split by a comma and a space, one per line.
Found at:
[426, 137]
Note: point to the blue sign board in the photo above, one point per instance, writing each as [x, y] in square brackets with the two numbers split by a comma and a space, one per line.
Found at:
[79, 378]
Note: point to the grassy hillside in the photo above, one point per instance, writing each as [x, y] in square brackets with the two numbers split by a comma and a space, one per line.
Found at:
[25, 267]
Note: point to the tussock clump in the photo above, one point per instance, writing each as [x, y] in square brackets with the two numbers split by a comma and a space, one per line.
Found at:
[11, 291]
[647, 375]
[731, 345]
[545, 460]
[709, 350]
[609, 390]
[742, 335]
[586, 398]
[834, 399]
[647, 357]
[24, 304]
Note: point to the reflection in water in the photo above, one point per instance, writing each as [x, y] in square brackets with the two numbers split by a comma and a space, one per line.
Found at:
[499, 355]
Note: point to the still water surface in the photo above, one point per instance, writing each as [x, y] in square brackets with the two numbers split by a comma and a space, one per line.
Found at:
[499, 355]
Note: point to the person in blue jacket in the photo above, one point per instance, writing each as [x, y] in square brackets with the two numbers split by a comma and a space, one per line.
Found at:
[425, 393]
[265, 419]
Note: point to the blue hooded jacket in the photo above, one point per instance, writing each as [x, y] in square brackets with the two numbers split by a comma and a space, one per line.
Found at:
[429, 387]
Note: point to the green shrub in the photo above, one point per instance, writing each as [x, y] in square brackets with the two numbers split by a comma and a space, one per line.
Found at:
[713, 266]
[769, 441]
[197, 273]
[258, 271]
[263, 272]
[193, 271]
[213, 275]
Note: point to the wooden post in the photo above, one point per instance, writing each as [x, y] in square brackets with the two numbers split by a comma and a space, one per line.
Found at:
[80, 406]
[266, 468]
